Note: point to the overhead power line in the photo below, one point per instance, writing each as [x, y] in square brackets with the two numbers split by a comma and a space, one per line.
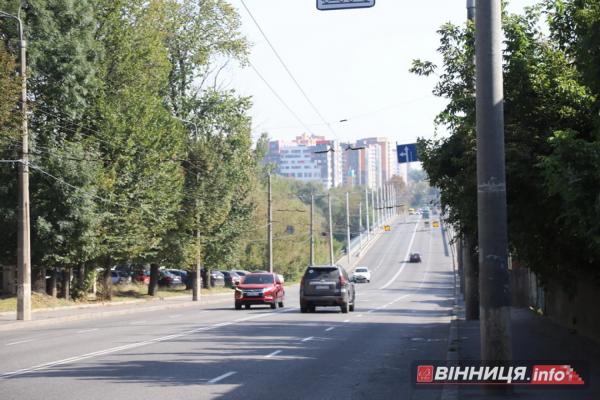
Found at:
[310, 102]
[280, 98]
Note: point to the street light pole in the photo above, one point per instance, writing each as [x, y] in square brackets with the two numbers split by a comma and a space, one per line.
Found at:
[330, 229]
[367, 212]
[312, 229]
[348, 226]
[196, 291]
[491, 185]
[23, 236]
[270, 227]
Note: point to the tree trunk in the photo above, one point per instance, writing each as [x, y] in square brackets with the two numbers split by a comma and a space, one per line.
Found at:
[107, 281]
[51, 289]
[153, 286]
[66, 283]
[470, 265]
[461, 267]
[81, 272]
[39, 279]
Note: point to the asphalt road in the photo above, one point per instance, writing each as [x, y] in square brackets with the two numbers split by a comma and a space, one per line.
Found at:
[216, 352]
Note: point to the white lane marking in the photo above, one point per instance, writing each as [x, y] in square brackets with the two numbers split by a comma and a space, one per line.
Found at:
[223, 324]
[141, 321]
[87, 330]
[412, 239]
[175, 316]
[346, 320]
[273, 354]
[330, 328]
[19, 342]
[221, 377]
[359, 315]
[119, 348]
[306, 339]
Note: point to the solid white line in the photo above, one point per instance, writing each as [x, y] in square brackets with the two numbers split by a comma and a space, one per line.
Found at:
[330, 328]
[19, 342]
[346, 320]
[412, 239]
[306, 339]
[273, 354]
[220, 378]
[87, 330]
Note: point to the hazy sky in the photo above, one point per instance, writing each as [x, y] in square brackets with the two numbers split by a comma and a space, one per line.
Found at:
[353, 64]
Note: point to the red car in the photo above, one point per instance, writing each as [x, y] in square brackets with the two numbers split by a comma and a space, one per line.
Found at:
[259, 288]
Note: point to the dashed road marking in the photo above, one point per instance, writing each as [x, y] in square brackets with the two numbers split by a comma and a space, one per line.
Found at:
[19, 342]
[306, 339]
[273, 354]
[221, 377]
[87, 330]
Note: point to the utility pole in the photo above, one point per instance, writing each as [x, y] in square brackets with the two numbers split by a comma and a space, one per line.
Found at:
[330, 229]
[312, 229]
[360, 224]
[23, 236]
[367, 212]
[373, 208]
[348, 226]
[491, 185]
[270, 227]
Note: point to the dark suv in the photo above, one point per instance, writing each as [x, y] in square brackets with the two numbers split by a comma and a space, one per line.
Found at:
[326, 285]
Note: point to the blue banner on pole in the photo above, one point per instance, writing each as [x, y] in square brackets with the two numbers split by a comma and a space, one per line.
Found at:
[407, 153]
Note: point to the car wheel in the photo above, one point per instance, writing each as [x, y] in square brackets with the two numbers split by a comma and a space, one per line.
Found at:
[351, 307]
[273, 305]
[281, 304]
[303, 309]
[247, 306]
[344, 308]
[238, 306]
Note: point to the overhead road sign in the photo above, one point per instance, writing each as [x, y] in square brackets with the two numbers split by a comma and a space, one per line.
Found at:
[325, 5]
[407, 153]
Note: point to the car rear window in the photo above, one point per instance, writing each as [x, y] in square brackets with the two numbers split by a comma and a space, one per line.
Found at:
[258, 279]
[361, 270]
[322, 273]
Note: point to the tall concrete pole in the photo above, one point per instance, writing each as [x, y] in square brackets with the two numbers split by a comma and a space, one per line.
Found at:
[348, 226]
[360, 226]
[23, 235]
[330, 229]
[471, 10]
[373, 208]
[270, 227]
[367, 212]
[312, 229]
[491, 186]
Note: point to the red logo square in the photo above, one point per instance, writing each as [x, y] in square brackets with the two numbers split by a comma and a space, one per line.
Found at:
[424, 373]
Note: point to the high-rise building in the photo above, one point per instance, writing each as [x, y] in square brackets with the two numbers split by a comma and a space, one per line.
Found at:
[335, 164]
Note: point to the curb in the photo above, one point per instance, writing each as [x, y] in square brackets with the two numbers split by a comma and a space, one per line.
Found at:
[450, 392]
[103, 314]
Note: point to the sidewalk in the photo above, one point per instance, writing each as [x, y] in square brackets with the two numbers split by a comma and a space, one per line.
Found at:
[94, 311]
[535, 338]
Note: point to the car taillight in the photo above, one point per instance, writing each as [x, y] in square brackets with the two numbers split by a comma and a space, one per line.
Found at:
[342, 281]
[302, 281]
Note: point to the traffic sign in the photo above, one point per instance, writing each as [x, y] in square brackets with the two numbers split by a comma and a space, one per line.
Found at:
[436, 224]
[407, 153]
[325, 5]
